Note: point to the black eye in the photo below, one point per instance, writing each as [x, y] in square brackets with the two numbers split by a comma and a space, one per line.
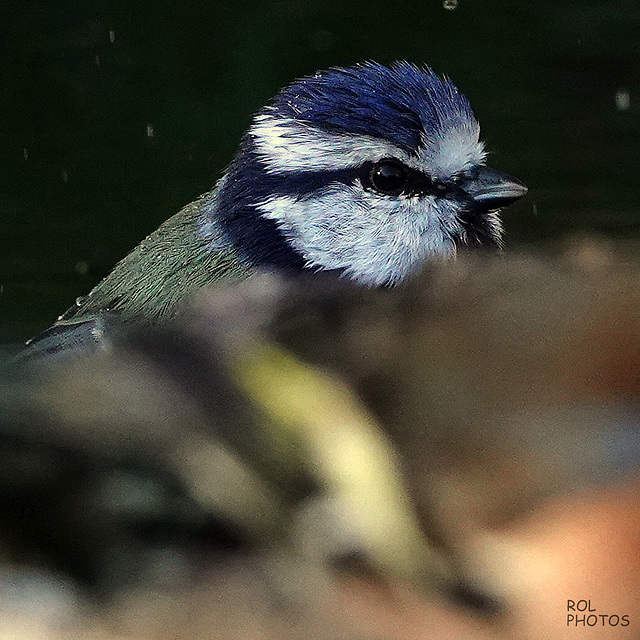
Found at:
[388, 176]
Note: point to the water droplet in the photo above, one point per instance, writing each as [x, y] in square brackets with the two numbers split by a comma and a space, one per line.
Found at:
[65, 175]
[623, 99]
[97, 59]
[450, 5]
[150, 131]
[25, 154]
[112, 36]
[81, 268]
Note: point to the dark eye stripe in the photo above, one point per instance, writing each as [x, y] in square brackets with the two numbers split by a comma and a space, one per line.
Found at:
[306, 184]
[415, 182]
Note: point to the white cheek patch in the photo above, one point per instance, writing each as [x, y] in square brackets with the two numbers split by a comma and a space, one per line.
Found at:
[286, 146]
[375, 240]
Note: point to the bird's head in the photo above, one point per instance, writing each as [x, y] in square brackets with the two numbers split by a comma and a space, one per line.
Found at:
[365, 171]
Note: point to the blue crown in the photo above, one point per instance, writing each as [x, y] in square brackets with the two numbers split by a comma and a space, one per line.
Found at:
[400, 103]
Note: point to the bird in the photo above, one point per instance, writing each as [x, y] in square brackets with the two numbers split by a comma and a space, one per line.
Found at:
[364, 172]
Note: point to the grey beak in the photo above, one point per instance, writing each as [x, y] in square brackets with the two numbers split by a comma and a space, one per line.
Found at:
[493, 189]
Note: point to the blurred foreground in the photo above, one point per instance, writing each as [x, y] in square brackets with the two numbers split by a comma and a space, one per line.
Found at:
[456, 458]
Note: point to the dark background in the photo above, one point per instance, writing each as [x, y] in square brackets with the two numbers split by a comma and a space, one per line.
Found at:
[555, 86]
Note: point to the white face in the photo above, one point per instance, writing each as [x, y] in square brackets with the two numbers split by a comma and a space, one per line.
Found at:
[375, 238]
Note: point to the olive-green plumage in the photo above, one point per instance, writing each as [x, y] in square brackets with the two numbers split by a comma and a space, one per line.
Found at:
[153, 282]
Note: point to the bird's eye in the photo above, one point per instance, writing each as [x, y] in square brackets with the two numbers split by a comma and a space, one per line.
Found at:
[388, 176]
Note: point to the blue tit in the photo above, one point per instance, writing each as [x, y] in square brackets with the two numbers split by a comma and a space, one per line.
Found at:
[365, 172]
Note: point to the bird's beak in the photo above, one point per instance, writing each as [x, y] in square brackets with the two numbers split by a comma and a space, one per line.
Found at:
[491, 189]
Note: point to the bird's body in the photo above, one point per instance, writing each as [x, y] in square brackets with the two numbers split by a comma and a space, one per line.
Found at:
[365, 172]
[153, 281]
